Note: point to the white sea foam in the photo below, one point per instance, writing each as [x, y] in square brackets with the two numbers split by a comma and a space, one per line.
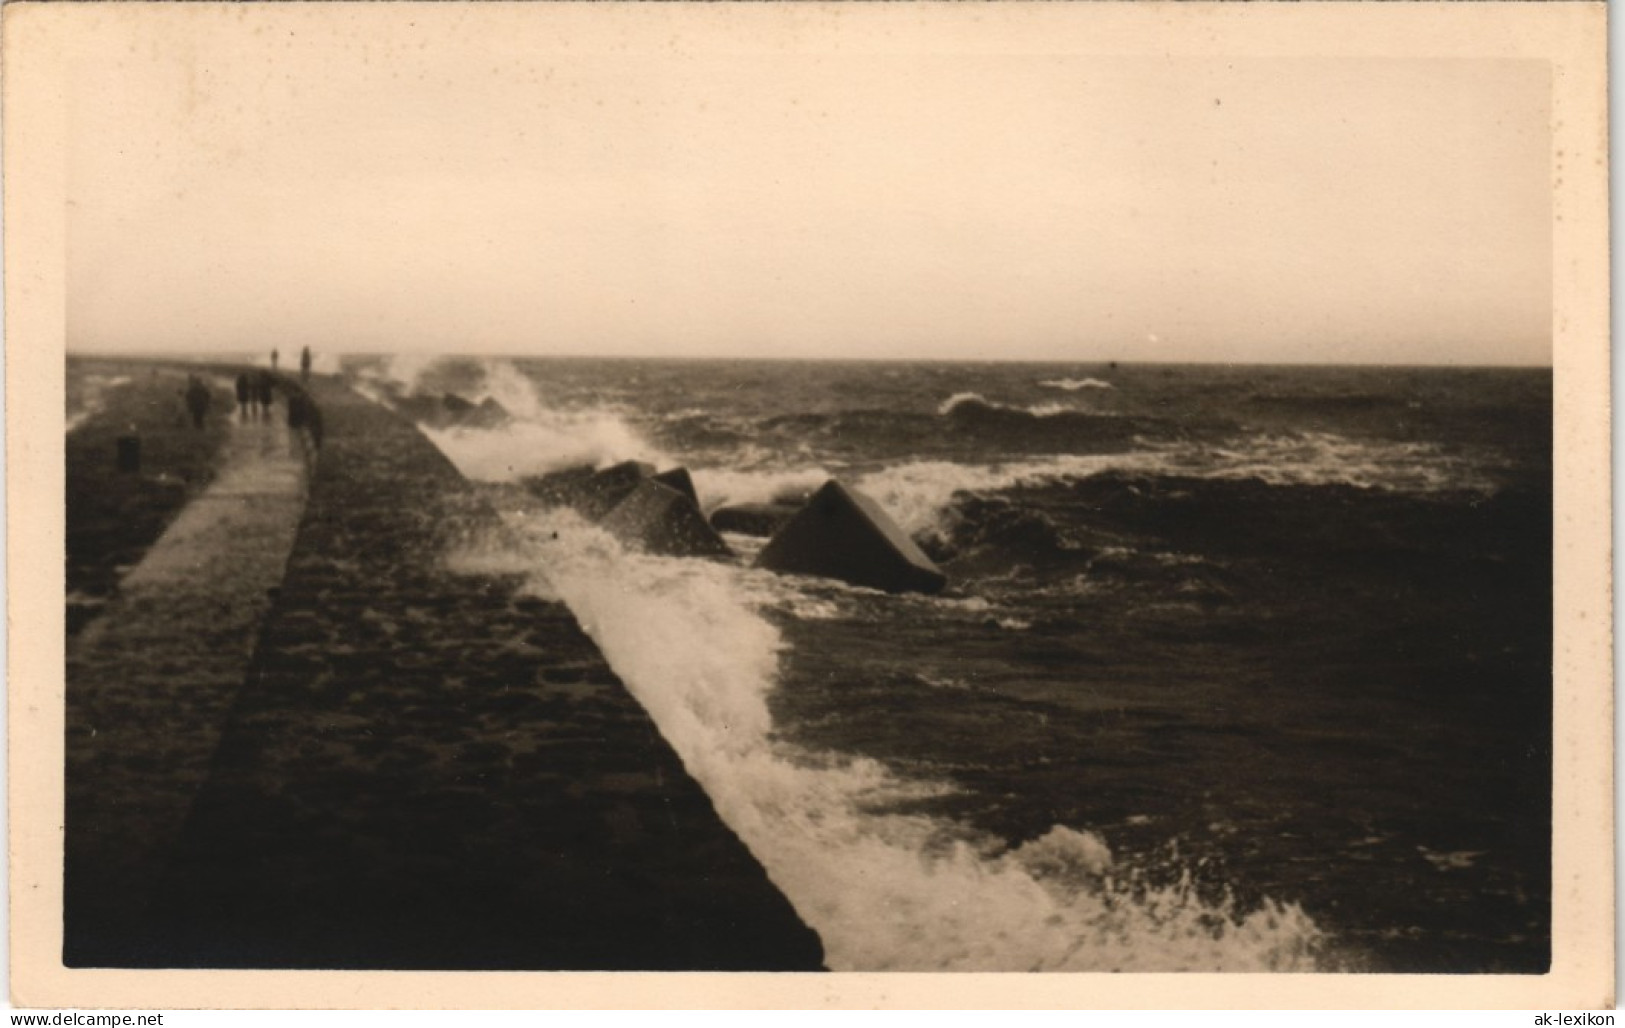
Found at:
[521, 448]
[403, 371]
[1072, 385]
[885, 891]
[720, 486]
[1323, 458]
[538, 439]
[323, 363]
[508, 386]
[917, 495]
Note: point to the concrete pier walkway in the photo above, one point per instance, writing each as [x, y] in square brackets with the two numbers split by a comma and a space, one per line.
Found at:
[152, 678]
[418, 769]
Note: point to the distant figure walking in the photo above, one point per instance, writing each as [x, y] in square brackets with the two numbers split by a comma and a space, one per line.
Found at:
[273, 358]
[197, 400]
[304, 365]
[304, 414]
[263, 388]
[244, 395]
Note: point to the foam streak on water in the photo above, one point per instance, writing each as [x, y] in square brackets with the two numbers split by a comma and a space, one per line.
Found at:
[885, 891]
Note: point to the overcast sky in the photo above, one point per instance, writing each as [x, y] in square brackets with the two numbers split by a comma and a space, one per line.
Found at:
[250, 184]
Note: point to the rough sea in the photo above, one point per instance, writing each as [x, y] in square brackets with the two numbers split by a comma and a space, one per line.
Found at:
[1239, 667]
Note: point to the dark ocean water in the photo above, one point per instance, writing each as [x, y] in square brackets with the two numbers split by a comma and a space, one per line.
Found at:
[1239, 667]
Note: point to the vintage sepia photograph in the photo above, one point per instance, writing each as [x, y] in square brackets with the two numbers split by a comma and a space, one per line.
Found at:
[856, 489]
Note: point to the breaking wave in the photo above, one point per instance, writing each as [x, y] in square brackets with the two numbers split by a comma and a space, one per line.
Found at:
[1044, 427]
[884, 890]
[973, 403]
[533, 439]
[561, 440]
[399, 373]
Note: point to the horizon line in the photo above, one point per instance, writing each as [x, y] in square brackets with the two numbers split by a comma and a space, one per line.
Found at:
[228, 355]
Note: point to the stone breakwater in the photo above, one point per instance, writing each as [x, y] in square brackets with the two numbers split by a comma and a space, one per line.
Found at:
[431, 771]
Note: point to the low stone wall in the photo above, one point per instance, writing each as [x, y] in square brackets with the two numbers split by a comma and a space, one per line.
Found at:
[427, 770]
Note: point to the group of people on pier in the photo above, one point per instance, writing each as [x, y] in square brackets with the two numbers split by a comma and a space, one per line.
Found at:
[256, 395]
[256, 392]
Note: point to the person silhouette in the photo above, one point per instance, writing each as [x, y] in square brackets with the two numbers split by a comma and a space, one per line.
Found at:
[244, 396]
[265, 384]
[273, 359]
[304, 365]
[197, 400]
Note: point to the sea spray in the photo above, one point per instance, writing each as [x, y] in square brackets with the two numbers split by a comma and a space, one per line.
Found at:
[884, 890]
[537, 440]
[523, 448]
[323, 363]
[507, 385]
[719, 486]
[400, 372]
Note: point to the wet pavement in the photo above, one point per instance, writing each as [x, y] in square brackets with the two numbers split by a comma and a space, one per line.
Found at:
[154, 676]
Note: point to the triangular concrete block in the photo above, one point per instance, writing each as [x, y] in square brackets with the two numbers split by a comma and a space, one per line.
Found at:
[659, 519]
[680, 480]
[843, 534]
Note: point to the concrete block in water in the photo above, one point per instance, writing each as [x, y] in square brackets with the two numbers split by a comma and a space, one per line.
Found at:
[758, 519]
[605, 489]
[680, 480]
[425, 410]
[843, 534]
[559, 487]
[659, 519]
[488, 413]
[591, 493]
